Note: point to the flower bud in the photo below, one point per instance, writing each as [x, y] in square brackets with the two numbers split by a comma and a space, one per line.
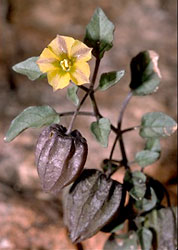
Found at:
[60, 157]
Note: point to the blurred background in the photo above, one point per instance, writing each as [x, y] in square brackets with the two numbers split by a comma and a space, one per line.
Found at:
[29, 218]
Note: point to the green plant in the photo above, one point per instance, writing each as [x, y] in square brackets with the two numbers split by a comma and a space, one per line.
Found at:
[95, 201]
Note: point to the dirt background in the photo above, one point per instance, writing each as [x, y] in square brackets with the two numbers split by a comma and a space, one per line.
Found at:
[29, 218]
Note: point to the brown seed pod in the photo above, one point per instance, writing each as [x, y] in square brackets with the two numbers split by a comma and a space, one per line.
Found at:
[60, 158]
[91, 203]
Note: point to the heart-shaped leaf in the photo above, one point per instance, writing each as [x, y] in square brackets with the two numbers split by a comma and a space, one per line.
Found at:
[145, 74]
[31, 117]
[146, 157]
[92, 202]
[29, 68]
[157, 124]
[101, 130]
[109, 79]
[72, 95]
[135, 183]
[99, 33]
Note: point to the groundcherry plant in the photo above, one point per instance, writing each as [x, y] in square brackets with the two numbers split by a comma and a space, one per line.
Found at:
[94, 201]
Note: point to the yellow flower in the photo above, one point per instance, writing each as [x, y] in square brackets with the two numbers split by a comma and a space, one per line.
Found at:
[63, 60]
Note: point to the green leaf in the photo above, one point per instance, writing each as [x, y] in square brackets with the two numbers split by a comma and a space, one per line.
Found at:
[146, 157]
[145, 237]
[99, 33]
[146, 204]
[111, 243]
[139, 220]
[109, 79]
[127, 241]
[157, 124]
[145, 74]
[163, 222]
[150, 154]
[153, 144]
[72, 94]
[31, 117]
[29, 68]
[118, 228]
[158, 188]
[135, 183]
[101, 130]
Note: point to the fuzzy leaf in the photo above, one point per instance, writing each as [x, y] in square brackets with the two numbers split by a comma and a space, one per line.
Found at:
[29, 68]
[111, 243]
[99, 33]
[145, 74]
[146, 157]
[135, 184]
[163, 223]
[31, 117]
[109, 79]
[128, 241]
[101, 130]
[147, 204]
[157, 124]
[153, 144]
[157, 187]
[145, 237]
[72, 95]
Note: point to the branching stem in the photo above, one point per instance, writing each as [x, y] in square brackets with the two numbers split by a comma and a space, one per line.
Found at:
[120, 132]
[88, 92]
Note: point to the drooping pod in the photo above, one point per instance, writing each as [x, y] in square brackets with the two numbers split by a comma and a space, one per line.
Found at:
[92, 202]
[60, 157]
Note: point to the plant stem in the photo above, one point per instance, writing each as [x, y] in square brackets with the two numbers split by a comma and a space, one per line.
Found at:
[113, 147]
[83, 88]
[97, 64]
[123, 108]
[116, 138]
[130, 129]
[88, 92]
[119, 133]
[95, 106]
[76, 113]
[85, 113]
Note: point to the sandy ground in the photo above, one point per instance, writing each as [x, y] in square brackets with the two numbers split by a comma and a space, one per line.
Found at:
[29, 218]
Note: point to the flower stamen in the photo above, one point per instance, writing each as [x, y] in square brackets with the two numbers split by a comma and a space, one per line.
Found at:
[65, 64]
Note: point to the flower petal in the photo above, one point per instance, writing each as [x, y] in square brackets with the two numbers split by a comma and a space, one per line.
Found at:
[80, 51]
[61, 45]
[58, 80]
[47, 61]
[80, 73]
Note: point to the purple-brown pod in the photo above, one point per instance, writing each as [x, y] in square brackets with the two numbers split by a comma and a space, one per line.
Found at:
[60, 157]
[92, 202]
